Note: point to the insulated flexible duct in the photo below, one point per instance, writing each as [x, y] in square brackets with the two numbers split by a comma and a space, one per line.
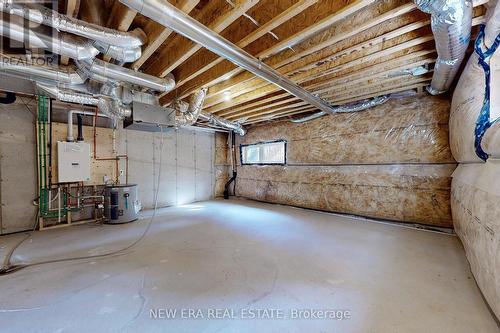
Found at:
[61, 22]
[451, 22]
[62, 44]
[221, 122]
[106, 105]
[188, 113]
[360, 106]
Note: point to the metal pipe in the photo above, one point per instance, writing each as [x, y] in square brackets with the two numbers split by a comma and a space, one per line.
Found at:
[61, 22]
[69, 135]
[451, 22]
[121, 74]
[107, 105]
[44, 72]
[122, 54]
[169, 16]
[63, 44]
[221, 122]
[356, 107]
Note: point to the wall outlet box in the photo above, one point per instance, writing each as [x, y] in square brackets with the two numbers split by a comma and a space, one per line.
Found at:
[73, 161]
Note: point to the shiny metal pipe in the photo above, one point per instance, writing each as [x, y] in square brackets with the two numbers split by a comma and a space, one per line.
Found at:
[169, 16]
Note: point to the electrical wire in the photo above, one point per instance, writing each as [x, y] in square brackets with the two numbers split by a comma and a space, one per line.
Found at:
[9, 268]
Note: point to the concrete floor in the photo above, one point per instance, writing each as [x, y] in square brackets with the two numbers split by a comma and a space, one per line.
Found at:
[243, 256]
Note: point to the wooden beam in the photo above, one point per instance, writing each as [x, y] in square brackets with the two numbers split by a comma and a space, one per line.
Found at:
[217, 80]
[188, 72]
[121, 17]
[351, 100]
[158, 34]
[181, 49]
[214, 75]
[304, 66]
[287, 57]
[409, 61]
[376, 57]
[337, 95]
[333, 93]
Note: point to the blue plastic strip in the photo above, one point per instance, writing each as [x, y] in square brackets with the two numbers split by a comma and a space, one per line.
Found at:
[483, 122]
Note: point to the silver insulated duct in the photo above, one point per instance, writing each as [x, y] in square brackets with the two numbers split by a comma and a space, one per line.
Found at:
[221, 122]
[60, 22]
[171, 17]
[189, 113]
[451, 22]
[360, 106]
[34, 73]
[62, 44]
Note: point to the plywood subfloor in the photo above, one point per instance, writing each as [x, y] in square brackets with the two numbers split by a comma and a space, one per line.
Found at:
[244, 255]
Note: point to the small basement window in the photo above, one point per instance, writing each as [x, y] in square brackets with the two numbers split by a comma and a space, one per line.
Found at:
[263, 153]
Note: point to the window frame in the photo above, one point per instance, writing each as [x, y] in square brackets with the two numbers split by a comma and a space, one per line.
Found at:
[285, 146]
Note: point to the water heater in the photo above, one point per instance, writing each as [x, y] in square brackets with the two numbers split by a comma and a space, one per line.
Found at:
[121, 204]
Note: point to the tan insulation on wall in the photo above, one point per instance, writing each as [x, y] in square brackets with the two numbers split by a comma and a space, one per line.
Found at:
[392, 162]
[475, 198]
[402, 193]
[222, 162]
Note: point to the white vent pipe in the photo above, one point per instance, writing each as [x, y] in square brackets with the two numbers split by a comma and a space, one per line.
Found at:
[69, 134]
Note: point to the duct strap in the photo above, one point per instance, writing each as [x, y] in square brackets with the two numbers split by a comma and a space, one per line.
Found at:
[483, 122]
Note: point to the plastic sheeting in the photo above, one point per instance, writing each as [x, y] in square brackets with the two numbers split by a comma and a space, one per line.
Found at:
[395, 192]
[471, 119]
[392, 162]
[474, 202]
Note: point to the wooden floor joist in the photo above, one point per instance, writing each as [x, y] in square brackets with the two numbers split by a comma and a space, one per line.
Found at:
[215, 74]
[340, 50]
[181, 49]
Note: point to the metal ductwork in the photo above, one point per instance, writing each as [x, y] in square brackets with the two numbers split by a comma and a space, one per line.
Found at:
[106, 105]
[102, 71]
[35, 73]
[223, 123]
[66, 96]
[451, 22]
[169, 16]
[60, 22]
[118, 53]
[356, 107]
[189, 113]
[62, 44]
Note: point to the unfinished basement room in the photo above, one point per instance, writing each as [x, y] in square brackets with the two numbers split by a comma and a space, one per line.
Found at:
[203, 166]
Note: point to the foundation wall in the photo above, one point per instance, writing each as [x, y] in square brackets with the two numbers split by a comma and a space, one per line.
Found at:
[391, 162]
